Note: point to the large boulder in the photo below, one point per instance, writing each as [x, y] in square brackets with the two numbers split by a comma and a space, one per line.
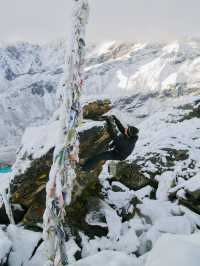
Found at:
[95, 110]
[175, 250]
[130, 174]
[28, 189]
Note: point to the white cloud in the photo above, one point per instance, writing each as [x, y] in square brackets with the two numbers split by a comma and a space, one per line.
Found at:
[45, 20]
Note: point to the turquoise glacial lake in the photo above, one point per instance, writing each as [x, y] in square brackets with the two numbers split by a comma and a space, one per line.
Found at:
[5, 170]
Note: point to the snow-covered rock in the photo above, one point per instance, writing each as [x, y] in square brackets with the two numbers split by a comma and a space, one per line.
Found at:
[108, 258]
[24, 243]
[191, 186]
[175, 250]
[5, 247]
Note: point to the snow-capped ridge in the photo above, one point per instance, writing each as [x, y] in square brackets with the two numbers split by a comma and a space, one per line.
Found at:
[31, 75]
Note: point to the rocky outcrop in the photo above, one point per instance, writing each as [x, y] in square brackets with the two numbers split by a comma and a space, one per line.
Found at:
[95, 110]
[130, 174]
[28, 189]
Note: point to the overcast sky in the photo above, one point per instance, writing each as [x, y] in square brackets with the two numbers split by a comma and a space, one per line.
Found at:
[46, 20]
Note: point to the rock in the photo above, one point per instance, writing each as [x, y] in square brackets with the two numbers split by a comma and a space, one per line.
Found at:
[188, 193]
[95, 110]
[28, 189]
[77, 211]
[195, 194]
[162, 163]
[194, 112]
[87, 185]
[18, 214]
[176, 155]
[192, 205]
[33, 217]
[129, 173]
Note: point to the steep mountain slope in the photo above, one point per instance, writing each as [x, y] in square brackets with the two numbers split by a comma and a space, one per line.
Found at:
[28, 82]
[31, 75]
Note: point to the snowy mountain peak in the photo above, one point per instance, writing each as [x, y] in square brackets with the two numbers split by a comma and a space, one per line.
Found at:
[182, 50]
[31, 74]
